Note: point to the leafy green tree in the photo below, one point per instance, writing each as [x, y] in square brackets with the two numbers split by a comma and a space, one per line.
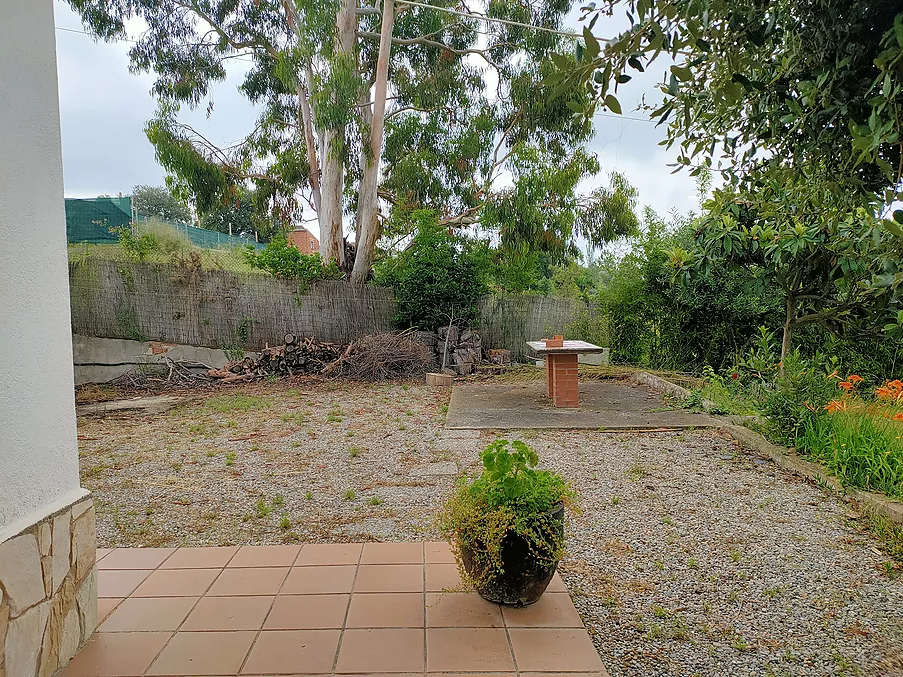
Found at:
[787, 82]
[240, 217]
[366, 109]
[823, 248]
[159, 202]
[281, 259]
[439, 278]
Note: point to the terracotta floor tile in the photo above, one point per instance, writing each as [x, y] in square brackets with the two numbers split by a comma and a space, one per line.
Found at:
[381, 651]
[203, 653]
[119, 583]
[386, 610]
[541, 650]
[557, 585]
[468, 650]
[116, 654]
[437, 552]
[102, 552]
[319, 580]
[392, 553]
[233, 582]
[229, 613]
[329, 553]
[441, 577]
[461, 610]
[293, 651]
[135, 558]
[389, 578]
[105, 606]
[177, 583]
[307, 612]
[199, 558]
[148, 614]
[265, 556]
[553, 610]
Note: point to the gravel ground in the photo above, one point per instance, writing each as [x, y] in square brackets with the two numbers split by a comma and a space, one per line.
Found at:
[689, 557]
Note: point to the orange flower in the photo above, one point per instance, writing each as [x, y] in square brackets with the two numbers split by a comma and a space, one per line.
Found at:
[846, 385]
[835, 405]
[898, 416]
[891, 390]
[854, 379]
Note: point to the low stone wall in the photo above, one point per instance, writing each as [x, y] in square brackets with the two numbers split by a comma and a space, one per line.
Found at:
[48, 592]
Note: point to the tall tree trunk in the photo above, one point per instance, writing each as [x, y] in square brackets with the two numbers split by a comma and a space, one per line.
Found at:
[332, 244]
[787, 339]
[367, 222]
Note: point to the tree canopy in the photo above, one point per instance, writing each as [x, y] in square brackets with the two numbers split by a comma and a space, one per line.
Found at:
[158, 201]
[365, 110]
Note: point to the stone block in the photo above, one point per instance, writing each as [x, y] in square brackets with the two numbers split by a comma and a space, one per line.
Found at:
[84, 544]
[62, 604]
[21, 574]
[71, 638]
[60, 550]
[23, 641]
[44, 538]
[4, 626]
[86, 601]
[440, 380]
[47, 569]
[79, 508]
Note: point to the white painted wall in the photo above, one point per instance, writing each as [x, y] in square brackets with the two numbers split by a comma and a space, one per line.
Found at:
[38, 447]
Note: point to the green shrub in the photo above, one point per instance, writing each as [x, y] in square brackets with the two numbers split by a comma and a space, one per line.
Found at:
[509, 497]
[863, 451]
[439, 276]
[136, 247]
[280, 259]
[166, 239]
[798, 397]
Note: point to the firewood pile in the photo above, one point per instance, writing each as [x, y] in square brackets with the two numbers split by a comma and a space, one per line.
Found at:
[378, 356]
[456, 350]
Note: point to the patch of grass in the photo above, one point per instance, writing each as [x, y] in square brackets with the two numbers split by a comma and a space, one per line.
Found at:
[863, 451]
[637, 471]
[354, 452]
[728, 402]
[227, 403]
[309, 496]
[890, 537]
[335, 415]
[772, 593]
[278, 500]
[230, 458]
[297, 418]
[262, 508]
[210, 453]
[735, 556]
[285, 523]
[350, 495]
[692, 563]
[615, 500]
[375, 500]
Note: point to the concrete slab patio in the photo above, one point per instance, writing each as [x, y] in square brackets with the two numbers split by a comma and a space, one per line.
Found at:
[604, 405]
[324, 609]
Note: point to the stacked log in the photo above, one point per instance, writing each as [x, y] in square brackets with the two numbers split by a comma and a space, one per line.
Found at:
[461, 349]
[295, 356]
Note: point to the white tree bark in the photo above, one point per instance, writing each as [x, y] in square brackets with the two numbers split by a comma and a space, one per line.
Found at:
[368, 225]
[332, 244]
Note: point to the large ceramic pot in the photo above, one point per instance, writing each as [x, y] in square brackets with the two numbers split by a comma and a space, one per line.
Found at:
[524, 579]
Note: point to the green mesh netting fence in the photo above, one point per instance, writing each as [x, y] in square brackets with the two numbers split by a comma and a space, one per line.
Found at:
[93, 220]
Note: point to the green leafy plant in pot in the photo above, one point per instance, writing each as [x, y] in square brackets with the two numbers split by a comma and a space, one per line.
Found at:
[506, 527]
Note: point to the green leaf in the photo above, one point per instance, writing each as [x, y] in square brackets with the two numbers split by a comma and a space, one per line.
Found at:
[635, 63]
[892, 227]
[898, 215]
[613, 104]
[682, 74]
[592, 45]
[623, 77]
[576, 107]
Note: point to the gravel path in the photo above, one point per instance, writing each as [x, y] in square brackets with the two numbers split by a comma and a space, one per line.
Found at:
[689, 558]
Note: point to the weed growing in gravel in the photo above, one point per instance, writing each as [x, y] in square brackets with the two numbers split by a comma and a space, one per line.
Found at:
[402, 427]
[230, 458]
[637, 471]
[615, 500]
[668, 521]
[335, 416]
[772, 593]
[285, 523]
[278, 500]
[210, 453]
[227, 403]
[297, 418]
[354, 452]
[262, 508]
[309, 495]
[350, 495]
[408, 412]
[735, 556]
[660, 612]
[692, 563]
[376, 500]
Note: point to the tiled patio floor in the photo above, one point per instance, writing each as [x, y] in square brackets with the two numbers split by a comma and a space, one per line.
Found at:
[347, 609]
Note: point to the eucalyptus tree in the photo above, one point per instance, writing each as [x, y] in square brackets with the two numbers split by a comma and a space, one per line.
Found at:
[369, 109]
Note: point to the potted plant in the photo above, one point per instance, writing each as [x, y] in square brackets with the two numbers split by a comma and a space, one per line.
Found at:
[506, 527]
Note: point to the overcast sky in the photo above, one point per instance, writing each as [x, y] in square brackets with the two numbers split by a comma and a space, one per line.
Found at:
[103, 110]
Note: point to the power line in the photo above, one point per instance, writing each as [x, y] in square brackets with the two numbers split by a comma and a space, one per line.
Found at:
[623, 117]
[480, 17]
